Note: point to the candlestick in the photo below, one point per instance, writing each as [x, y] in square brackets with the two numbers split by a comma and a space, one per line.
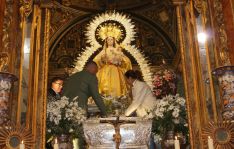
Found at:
[56, 146]
[22, 146]
[177, 143]
[210, 143]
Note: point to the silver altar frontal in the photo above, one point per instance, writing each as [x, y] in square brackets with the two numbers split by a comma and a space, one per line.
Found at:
[117, 132]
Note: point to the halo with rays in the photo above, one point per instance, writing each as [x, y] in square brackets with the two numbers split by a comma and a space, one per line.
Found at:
[222, 133]
[15, 132]
[98, 20]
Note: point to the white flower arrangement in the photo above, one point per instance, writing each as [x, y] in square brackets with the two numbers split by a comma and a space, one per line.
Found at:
[111, 103]
[64, 116]
[169, 114]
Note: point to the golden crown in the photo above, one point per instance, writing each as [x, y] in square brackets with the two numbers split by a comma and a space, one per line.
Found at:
[110, 30]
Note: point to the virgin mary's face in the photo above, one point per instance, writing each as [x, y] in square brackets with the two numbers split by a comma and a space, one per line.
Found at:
[110, 41]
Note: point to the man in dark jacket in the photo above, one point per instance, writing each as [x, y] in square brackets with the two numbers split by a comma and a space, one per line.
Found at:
[84, 84]
[53, 94]
[55, 89]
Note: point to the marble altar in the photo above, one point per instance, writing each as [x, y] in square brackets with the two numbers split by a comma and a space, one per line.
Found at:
[117, 132]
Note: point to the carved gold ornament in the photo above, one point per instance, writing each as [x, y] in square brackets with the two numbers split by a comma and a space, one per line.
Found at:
[26, 6]
[110, 23]
[4, 61]
[222, 134]
[11, 137]
[110, 30]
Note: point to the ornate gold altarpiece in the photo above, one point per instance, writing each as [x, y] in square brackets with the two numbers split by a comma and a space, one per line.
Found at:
[203, 103]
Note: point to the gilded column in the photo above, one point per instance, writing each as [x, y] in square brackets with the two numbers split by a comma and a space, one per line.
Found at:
[45, 75]
[2, 8]
[228, 14]
[178, 4]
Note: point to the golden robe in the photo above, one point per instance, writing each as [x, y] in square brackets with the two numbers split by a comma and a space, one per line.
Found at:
[112, 65]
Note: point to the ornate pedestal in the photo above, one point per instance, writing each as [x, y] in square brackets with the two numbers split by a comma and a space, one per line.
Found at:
[225, 76]
[114, 133]
[6, 81]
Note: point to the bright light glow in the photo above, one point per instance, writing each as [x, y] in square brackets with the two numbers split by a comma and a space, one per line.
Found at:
[202, 37]
[27, 45]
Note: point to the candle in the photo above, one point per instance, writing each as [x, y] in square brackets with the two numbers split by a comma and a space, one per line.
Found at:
[22, 146]
[56, 146]
[75, 143]
[177, 143]
[210, 143]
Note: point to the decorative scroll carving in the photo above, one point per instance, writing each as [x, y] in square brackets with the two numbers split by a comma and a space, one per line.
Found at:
[198, 5]
[153, 46]
[61, 15]
[221, 33]
[163, 16]
[7, 22]
[26, 6]
[66, 2]
[68, 48]
[201, 7]
[4, 61]
[90, 5]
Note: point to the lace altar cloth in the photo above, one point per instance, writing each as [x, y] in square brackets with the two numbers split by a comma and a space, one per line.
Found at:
[135, 133]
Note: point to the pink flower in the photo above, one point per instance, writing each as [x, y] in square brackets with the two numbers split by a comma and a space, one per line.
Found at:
[158, 83]
[157, 78]
[167, 75]
[157, 92]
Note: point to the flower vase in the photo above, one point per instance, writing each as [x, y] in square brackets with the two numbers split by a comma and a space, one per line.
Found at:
[6, 82]
[225, 76]
[65, 142]
[168, 141]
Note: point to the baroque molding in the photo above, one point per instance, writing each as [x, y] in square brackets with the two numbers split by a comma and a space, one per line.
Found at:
[65, 15]
[198, 5]
[221, 33]
[4, 61]
[7, 23]
[26, 7]
[163, 17]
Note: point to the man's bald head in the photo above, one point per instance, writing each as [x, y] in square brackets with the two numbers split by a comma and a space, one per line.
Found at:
[91, 67]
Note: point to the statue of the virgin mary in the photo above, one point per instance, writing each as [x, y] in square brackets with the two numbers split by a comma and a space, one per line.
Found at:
[112, 63]
[112, 32]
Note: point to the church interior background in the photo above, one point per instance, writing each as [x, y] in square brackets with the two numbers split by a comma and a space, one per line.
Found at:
[190, 39]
